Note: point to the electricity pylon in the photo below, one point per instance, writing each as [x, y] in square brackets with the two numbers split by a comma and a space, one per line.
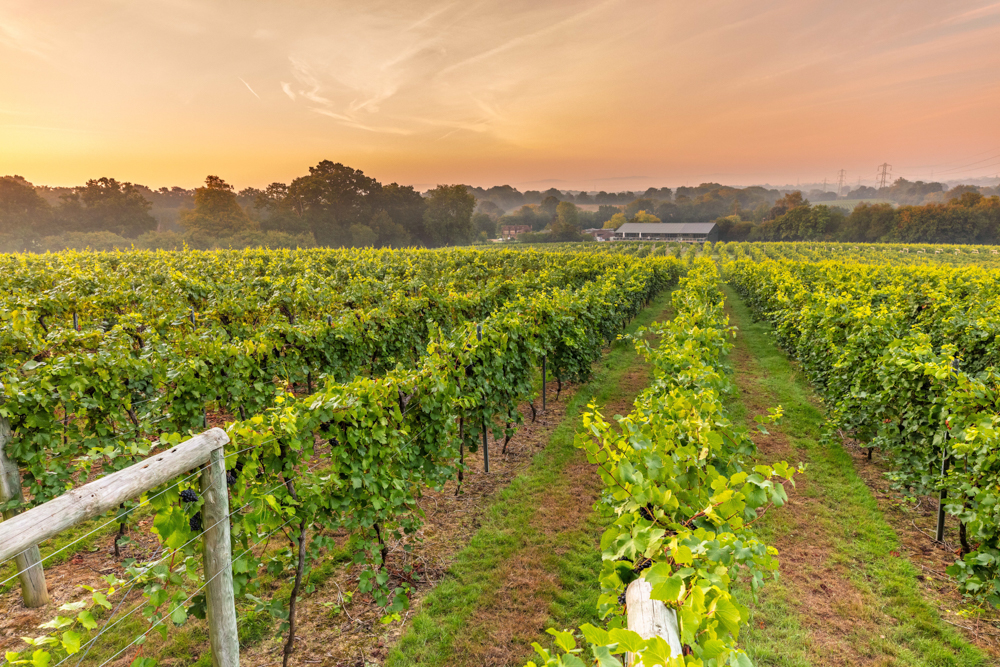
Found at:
[884, 175]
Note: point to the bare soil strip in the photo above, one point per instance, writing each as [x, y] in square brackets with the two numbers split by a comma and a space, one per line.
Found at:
[517, 613]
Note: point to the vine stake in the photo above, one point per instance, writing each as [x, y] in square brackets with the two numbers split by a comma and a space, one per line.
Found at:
[222, 633]
[543, 385]
[486, 445]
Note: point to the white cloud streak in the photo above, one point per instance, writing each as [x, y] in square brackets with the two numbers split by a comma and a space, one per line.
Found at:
[248, 87]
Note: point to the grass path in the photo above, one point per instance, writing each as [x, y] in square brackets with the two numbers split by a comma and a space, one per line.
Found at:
[535, 560]
[845, 596]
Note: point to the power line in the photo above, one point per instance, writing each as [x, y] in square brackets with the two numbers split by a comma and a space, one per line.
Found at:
[973, 166]
[841, 182]
[950, 162]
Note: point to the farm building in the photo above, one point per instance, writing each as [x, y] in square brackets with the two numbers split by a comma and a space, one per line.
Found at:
[508, 232]
[601, 234]
[667, 231]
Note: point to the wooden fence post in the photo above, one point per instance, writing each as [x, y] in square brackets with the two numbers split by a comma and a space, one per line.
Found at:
[650, 618]
[543, 383]
[222, 632]
[28, 562]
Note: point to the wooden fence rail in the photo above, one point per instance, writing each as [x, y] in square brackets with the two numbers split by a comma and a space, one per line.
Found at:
[21, 533]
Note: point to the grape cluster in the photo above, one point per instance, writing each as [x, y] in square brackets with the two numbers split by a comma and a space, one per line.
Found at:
[232, 475]
[643, 564]
[646, 512]
[189, 496]
[621, 599]
[195, 523]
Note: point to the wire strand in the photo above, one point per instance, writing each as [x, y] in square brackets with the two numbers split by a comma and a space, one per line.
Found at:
[148, 500]
[117, 517]
[198, 590]
[146, 566]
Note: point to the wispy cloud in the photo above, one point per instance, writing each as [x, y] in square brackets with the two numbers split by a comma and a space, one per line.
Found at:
[521, 40]
[248, 87]
[17, 35]
[414, 75]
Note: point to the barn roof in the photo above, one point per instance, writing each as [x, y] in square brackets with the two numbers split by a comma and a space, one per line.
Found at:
[666, 228]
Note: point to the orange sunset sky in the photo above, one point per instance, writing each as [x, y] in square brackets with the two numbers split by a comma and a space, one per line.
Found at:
[606, 94]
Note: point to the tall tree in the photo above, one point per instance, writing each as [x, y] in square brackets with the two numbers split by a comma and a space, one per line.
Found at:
[790, 201]
[105, 204]
[332, 198]
[448, 218]
[216, 212]
[405, 207]
[615, 221]
[568, 214]
[278, 211]
[388, 234]
[869, 223]
[642, 204]
[23, 212]
[489, 208]
[484, 224]
[548, 206]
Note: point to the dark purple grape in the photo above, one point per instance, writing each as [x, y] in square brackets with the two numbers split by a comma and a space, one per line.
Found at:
[195, 523]
[642, 565]
[646, 512]
[231, 477]
[189, 496]
[621, 600]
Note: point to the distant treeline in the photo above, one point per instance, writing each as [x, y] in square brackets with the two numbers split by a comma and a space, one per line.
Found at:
[335, 205]
[966, 216]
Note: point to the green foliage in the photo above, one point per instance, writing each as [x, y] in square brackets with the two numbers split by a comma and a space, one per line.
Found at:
[106, 205]
[568, 214]
[391, 437]
[907, 357]
[448, 218]
[216, 211]
[615, 221]
[65, 633]
[390, 339]
[681, 493]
